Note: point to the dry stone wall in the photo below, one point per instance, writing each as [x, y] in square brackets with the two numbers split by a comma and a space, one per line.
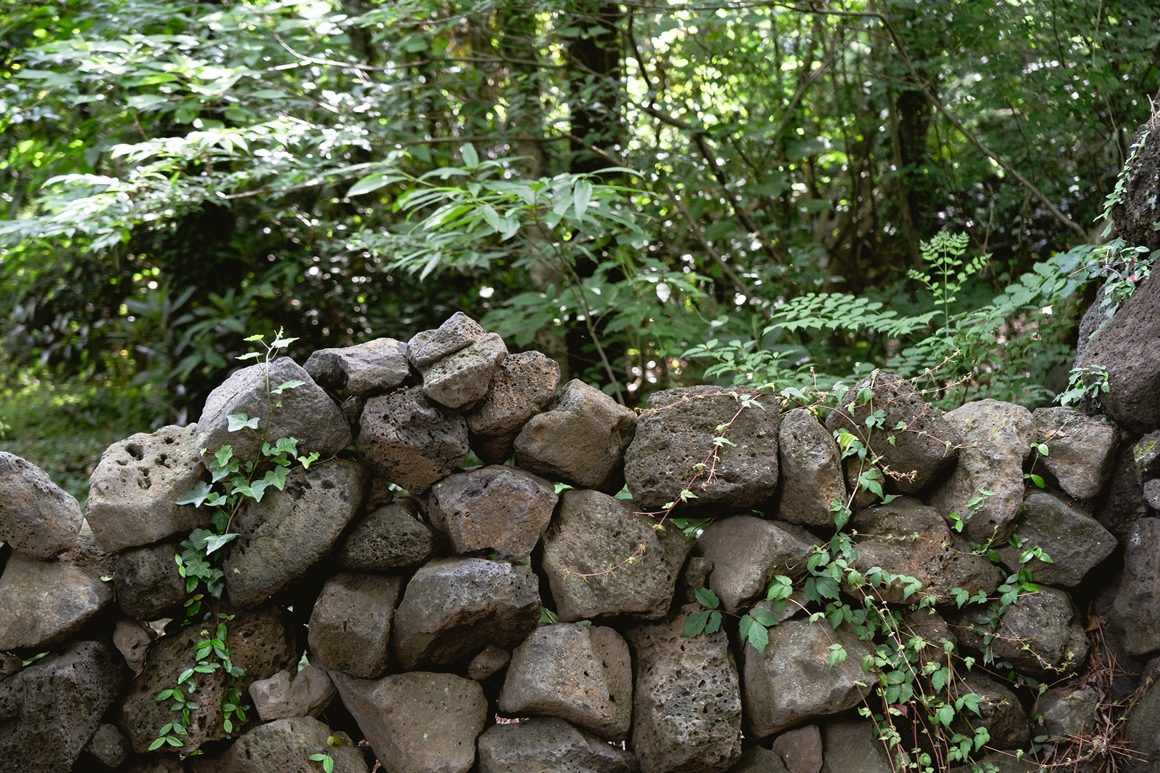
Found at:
[529, 612]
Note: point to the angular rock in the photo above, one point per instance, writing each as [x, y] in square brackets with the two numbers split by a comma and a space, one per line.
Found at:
[684, 718]
[285, 746]
[538, 745]
[758, 759]
[1040, 636]
[37, 517]
[304, 412]
[45, 602]
[676, 432]
[996, 439]
[793, 682]
[1073, 540]
[1137, 600]
[920, 451]
[410, 441]
[134, 489]
[1081, 449]
[747, 552]
[50, 710]
[1146, 456]
[521, 387]
[1137, 210]
[579, 673]
[132, 640]
[418, 722]
[9, 665]
[592, 533]
[394, 536]
[1124, 503]
[852, 745]
[597, 432]
[148, 582]
[350, 627]
[291, 530]
[498, 508]
[454, 607]
[1067, 712]
[999, 711]
[460, 380]
[1142, 731]
[1151, 493]
[108, 747]
[800, 750]
[908, 538]
[430, 346]
[374, 366]
[279, 697]
[811, 471]
[487, 663]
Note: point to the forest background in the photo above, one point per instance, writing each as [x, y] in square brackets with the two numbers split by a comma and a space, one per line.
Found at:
[653, 193]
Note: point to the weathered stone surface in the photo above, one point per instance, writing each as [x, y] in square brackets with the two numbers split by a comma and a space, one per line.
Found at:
[996, 438]
[350, 627]
[285, 746]
[394, 536]
[1005, 762]
[579, 673]
[410, 441]
[134, 489]
[800, 750]
[132, 639]
[687, 702]
[1124, 503]
[1067, 712]
[418, 722]
[9, 665]
[1142, 731]
[460, 380]
[811, 470]
[374, 366]
[1081, 449]
[906, 537]
[596, 431]
[306, 412]
[50, 710]
[37, 517]
[430, 346]
[1073, 540]
[45, 602]
[1137, 210]
[792, 681]
[291, 530]
[675, 433]
[261, 645]
[539, 745]
[498, 508]
[852, 745]
[147, 581]
[592, 533]
[1137, 600]
[454, 607]
[918, 452]
[1046, 623]
[1151, 493]
[487, 663]
[521, 387]
[999, 711]
[747, 552]
[758, 759]
[279, 697]
[108, 747]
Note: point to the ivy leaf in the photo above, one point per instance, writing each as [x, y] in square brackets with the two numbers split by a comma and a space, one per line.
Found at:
[707, 598]
[293, 383]
[837, 655]
[240, 421]
[218, 541]
[200, 491]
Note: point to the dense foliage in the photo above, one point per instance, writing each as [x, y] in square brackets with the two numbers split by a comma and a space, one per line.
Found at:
[645, 191]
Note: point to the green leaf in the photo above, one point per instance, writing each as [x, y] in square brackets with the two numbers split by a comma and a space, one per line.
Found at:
[369, 184]
[285, 385]
[763, 616]
[945, 715]
[581, 196]
[470, 156]
[695, 624]
[714, 623]
[707, 598]
[200, 491]
[240, 421]
[216, 542]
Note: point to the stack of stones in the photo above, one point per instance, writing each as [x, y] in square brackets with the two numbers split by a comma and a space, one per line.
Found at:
[528, 615]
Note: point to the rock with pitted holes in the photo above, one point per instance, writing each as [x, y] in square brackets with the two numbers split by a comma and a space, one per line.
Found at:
[545, 744]
[108, 747]
[350, 626]
[1137, 599]
[1073, 540]
[45, 602]
[37, 517]
[457, 361]
[391, 538]
[522, 385]
[999, 711]
[286, 745]
[280, 697]
[374, 366]
[148, 582]
[1040, 636]
[410, 441]
[811, 471]
[1080, 449]
[747, 552]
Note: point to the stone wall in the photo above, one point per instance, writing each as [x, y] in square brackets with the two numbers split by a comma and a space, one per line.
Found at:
[436, 603]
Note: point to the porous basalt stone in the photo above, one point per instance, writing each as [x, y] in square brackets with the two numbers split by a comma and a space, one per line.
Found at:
[408, 440]
[595, 430]
[132, 640]
[1073, 540]
[108, 747]
[1040, 635]
[147, 581]
[537, 745]
[747, 552]
[291, 530]
[374, 366]
[999, 711]
[676, 432]
[851, 745]
[430, 346]
[1124, 502]
[37, 517]
[811, 471]
[758, 759]
[1081, 449]
[1137, 599]
[1136, 210]
[592, 533]
[800, 750]
[1142, 731]
[488, 663]
[280, 697]
[286, 745]
[45, 602]
[393, 537]
[521, 387]
[1067, 712]
[350, 627]
[461, 380]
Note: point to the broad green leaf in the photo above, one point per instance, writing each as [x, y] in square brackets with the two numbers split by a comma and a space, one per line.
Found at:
[240, 421]
[200, 491]
[707, 598]
[581, 196]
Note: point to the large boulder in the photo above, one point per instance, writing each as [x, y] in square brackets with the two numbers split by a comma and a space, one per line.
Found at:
[291, 530]
[580, 440]
[914, 453]
[1073, 540]
[307, 694]
[1067, 712]
[1137, 599]
[37, 517]
[677, 432]
[286, 745]
[996, 439]
[792, 681]
[498, 508]
[747, 552]
[350, 627]
[44, 602]
[539, 745]
[390, 538]
[408, 440]
[418, 722]
[852, 744]
[1040, 636]
[148, 582]
[579, 673]
[604, 560]
[1124, 503]
[457, 361]
[522, 386]
[999, 711]
[1137, 209]
[687, 700]
[454, 607]
[1142, 731]
[304, 412]
[1080, 449]
[374, 366]
[50, 710]
[811, 471]
[800, 749]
